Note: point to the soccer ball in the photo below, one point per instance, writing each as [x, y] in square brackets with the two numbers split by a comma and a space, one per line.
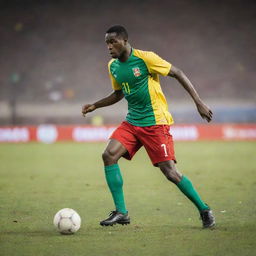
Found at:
[67, 221]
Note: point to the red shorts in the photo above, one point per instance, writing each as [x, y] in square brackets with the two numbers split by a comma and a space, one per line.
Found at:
[156, 139]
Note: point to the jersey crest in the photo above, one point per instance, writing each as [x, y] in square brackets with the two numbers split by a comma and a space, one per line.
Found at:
[136, 72]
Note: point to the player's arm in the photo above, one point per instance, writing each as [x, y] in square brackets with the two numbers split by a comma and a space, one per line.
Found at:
[203, 109]
[114, 97]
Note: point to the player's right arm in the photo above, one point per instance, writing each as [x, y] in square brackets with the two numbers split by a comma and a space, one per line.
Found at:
[114, 97]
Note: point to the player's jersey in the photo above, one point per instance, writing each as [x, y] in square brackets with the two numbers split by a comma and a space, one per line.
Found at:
[138, 78]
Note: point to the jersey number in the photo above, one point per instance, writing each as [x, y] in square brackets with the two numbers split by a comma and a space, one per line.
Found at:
[126, 88]
[165, 150]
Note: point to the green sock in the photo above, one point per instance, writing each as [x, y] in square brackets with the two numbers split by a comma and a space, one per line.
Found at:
[187, 188]
[115, 184]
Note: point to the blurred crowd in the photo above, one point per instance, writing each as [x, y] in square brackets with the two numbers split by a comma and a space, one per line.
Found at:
[54, 51]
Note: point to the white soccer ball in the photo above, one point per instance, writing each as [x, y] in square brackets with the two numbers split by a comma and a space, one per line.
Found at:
[67, 221]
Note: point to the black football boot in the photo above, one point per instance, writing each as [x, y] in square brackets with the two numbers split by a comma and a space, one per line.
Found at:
[116, 217]
[207, 218]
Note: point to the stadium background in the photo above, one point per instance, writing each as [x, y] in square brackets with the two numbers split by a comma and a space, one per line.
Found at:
[54, 58]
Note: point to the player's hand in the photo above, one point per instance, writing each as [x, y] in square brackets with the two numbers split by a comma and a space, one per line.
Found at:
[88, 108]
[204, 111]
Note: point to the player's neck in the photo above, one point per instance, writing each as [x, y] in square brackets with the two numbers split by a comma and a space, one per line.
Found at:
[126, 53]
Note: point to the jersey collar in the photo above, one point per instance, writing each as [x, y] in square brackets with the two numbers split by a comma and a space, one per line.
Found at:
[128, 57]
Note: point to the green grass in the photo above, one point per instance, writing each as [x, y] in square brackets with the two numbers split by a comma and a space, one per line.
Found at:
[37, 180]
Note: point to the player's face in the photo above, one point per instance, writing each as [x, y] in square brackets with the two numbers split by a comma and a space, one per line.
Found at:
[116, 45]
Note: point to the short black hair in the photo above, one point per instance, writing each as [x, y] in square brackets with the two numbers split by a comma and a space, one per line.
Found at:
[119, 30]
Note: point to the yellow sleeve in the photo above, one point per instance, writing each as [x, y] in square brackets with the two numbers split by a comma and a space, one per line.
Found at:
[155, 64]
[114, 83]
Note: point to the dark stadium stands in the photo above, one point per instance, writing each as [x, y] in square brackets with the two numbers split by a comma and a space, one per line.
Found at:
[53, 52]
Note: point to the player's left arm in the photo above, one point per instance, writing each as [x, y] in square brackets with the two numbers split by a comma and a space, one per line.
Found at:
[202, 108]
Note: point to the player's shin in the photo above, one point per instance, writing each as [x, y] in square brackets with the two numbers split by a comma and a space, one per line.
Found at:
[115, 184]
[188, 189]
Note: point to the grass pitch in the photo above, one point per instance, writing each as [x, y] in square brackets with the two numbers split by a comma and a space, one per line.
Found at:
[37, 180]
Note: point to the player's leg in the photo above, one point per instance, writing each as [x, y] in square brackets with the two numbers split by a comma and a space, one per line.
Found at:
[170, 171]
[113, 152]
[122, 144]
[111, 155]
[159, 144]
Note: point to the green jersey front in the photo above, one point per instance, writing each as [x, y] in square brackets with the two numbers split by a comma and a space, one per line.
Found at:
[138, 78]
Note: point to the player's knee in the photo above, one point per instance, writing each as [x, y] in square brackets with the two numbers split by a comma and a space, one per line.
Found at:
[109, 157]
[171, 173]
[106, 156]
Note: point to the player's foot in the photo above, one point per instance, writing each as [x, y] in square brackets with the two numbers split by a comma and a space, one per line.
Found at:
[116, 217]
[207, 218]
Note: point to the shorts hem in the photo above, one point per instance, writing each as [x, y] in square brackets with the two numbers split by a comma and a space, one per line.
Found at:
[155, 163]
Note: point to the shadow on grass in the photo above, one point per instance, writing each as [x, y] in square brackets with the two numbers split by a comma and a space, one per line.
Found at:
[135, 228]
[237, 228]
[47, 233]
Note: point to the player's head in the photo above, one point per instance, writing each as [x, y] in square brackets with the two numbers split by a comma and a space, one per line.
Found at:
[116, 38]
